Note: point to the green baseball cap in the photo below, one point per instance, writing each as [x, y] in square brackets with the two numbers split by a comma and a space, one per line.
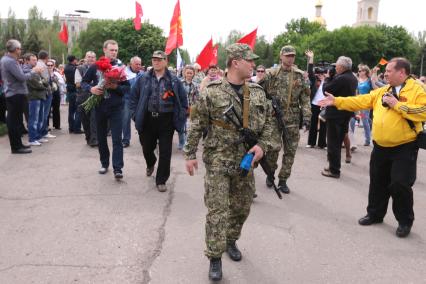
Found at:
[241, 51]
[287, 50]
[159, 54]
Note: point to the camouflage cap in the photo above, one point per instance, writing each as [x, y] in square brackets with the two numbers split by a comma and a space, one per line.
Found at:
[288, 49]
[159, 54]
[241, 51]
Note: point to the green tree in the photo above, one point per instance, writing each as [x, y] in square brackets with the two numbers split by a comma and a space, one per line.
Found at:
[131, 42]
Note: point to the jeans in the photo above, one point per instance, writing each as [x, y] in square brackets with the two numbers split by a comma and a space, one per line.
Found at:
[35, 122]
[47, 103]
[126, 122]
[366, 121]
[182, 137]
[115, 118]
[74, 122]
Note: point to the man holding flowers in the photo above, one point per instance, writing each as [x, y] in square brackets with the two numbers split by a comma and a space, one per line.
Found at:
[105, 80]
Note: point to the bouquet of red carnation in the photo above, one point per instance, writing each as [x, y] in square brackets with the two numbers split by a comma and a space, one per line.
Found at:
[107, 74]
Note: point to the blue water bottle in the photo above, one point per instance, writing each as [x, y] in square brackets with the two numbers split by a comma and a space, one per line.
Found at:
[245, 164]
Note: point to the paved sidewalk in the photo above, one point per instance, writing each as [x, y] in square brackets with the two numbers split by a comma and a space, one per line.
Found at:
[62, 222]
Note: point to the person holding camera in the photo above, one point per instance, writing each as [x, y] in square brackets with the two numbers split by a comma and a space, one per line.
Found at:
[343, 84]
[399, 109]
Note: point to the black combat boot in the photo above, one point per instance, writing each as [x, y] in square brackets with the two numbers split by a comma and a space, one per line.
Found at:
[215, 272]
[233, 251]
[282, 186]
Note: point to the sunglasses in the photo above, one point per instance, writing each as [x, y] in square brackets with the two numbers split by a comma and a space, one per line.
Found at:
[260, 71]
[49, 65]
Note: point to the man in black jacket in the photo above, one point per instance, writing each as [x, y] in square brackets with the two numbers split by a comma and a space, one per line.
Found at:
[74, 123]
[344, 84]
[110, 110]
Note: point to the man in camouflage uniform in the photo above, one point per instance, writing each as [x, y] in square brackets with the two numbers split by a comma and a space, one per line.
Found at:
[286, 82]
[228, 195]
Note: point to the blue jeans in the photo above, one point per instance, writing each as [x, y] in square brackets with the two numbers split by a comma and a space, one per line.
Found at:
[182, 137]
[126, 122]
[35, 120]
[47, 103]
[115, 118]
[365, 118]
[74, 121]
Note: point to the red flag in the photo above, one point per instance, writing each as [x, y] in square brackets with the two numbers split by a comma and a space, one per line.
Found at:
[383, 61]
[63, 34]
[213, 61]
[138, 19]
[176, 35]
[249, 39]
[206, 55]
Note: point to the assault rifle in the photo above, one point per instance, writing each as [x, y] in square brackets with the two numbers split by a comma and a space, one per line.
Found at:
[250, 139]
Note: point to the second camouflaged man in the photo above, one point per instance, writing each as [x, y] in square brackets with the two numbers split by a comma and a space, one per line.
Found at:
[286, 82]
[228, 195]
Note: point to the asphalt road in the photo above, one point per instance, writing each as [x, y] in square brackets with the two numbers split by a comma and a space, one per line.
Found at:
[62, 222]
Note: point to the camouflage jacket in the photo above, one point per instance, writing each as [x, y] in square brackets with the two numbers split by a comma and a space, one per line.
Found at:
[277, 82]
[220, 151]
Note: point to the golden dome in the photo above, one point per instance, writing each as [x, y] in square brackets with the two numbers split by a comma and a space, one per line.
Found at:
[320, 20]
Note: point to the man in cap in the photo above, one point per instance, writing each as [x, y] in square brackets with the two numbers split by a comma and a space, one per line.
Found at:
[228, 195]
[158, 105]
[286, 82]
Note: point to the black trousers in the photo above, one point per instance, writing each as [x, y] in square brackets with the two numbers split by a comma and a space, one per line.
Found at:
[336, 130]
[314, 132]
[3, 108]
[56, 114]
[158, 129]
[14, 120]
[393, 173]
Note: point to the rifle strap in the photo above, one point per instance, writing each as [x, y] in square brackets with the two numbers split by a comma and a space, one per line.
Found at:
[246, 106]
[290, 88]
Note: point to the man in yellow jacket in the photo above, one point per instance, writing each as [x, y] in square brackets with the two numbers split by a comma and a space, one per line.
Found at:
[393, 160]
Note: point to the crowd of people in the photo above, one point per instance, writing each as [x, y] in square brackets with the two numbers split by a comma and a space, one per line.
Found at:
[270, 105]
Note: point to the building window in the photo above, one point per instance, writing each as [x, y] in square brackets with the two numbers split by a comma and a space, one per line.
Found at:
[370, 13]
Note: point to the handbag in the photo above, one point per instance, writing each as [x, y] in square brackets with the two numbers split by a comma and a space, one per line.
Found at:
[421, 136]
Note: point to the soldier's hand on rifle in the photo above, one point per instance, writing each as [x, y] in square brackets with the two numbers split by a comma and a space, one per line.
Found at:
[258, 154]
[190, 166]
[327, 101]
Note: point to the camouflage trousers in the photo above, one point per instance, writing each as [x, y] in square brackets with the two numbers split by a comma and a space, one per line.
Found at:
[228, 200]
[289, 152]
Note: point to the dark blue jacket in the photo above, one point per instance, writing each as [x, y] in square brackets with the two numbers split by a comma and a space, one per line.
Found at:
[140, 93]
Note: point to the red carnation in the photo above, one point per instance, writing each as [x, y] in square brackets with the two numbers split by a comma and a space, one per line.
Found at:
[103, 64]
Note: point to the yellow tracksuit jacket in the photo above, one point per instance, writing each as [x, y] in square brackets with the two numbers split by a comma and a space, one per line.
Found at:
[390, 127]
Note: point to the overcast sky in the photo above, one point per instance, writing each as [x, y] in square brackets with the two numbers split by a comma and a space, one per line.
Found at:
[202, 19]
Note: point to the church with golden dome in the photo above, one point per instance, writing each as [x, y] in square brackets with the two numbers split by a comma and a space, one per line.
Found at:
[367, 13]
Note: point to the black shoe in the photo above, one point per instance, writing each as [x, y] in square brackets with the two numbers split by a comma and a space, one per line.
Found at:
[215, 271]
[93, 144]
[282, 186]
[233, 251]
[327, 173]
[149, 171]
[254, 195]
[103, 171]
[78, 132]
[269, 183]
[403, 230]
[26, 147]
[125, 145]
[22, 151]
[118, 174]
[367, 220]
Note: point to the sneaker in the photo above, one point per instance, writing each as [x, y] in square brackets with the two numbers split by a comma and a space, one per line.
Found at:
[48, 135]
[43, 140]
[149, 171]
[34, 143]
[118, 174]
[309, 146]
[103, 171]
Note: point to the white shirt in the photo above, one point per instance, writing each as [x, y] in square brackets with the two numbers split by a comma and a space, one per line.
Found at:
[319, 95]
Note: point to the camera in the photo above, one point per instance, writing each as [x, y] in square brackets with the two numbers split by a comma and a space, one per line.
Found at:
[388, 94]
